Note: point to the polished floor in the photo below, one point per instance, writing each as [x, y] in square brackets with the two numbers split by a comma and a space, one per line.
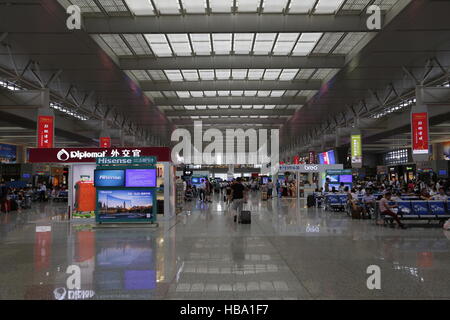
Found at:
[287, 252]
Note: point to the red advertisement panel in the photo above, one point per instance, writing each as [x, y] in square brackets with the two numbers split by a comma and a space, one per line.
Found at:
[296, 160]
[420, 133]
[105, 142]
[45, 131]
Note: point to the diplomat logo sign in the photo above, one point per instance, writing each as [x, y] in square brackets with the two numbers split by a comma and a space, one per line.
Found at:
[63, 155]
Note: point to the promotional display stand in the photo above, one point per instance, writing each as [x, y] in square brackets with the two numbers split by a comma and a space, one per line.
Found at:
[126, 190]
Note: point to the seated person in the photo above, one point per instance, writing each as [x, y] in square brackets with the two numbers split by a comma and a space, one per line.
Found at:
[424, 195]
[368, 201]
[441, 195]
[396, 197]
[386, 208]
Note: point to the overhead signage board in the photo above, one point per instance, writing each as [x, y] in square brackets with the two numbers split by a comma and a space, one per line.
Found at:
[126, 160]
[105, 142]
[89, 155]
[419, 124]
[308, 167]
[356, 150]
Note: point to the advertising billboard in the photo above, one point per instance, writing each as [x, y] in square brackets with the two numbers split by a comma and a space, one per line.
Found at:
[45, 131]
[124, 204]
[419, 124]
[8, 153]
[356, 149]
[140, 178]
[109, 178]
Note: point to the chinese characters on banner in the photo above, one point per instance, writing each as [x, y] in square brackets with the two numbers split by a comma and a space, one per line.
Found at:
[105, 142]
[356, 148]
[420, 133]
[45, 131]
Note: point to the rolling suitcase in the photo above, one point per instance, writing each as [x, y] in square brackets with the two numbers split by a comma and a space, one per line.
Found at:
[245, 217]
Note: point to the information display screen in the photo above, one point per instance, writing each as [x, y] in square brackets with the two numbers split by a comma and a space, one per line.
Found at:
[331, 157]
[333, 178]
[321, 158]
[109, 178]
[140, 178]
[125, 204]
[346, 178]
[195, 180]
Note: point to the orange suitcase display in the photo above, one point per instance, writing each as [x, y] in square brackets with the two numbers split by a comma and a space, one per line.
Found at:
[85, 196]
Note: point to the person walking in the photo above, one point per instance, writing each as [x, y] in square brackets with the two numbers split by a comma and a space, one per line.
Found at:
[238, 193]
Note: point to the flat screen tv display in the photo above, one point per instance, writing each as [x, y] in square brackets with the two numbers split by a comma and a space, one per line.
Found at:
[125, 204]
[331, 157]
[321, 158]
[109, 178]
[333, 178]
[346, 178]
[145, 178]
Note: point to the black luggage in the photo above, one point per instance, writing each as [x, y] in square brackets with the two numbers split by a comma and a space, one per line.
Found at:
[310, 201]
[245, 217]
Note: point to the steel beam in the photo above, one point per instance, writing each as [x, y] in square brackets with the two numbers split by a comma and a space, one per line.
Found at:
[231, 85]
[230, 112]
[222, 23]
[230, 121]
[229, 101]
[231, 62]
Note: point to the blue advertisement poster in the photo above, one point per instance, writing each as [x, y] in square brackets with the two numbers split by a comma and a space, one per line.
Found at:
[125, 204]
[140, 178]
[8, 153]
[109, 178]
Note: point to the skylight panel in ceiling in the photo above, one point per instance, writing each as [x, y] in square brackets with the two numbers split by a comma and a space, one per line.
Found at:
[189, 107]
[237, 93]
[138, 44]
[242, 43]
[272, 74]
[115, 42]
[174, 75]
[190, 75]
[213, 107]
[194, 6]
[239, 74]
[154, 94]
[285, 42]
[169, 94]
[204, 117]
[305, 73]
[258, 106]
[223, 93]
[247, 106]
[196, 94]
[183, 94]
[167, 6]
[223, 74]
[220, 5]
[180, 44]
[277, 93]
[269, 106]
[159, 44]
[255, 74]
[223, 106]
[210, 93]
[235, 106]
[201, 107]
[274, 6]
[307, 93]
[355, 5]
[349, 42]
[327, 42]
[222, 43]
[201, 43]
[264, 43]
[206, 74]
[195, 117]
[321, 73]
[385, 4]
[288, 74]
[254, 117]
[140, 75]
[301, 6]
[291, 93]
[140, 7]
[86, 5]
[178, 108]
[248, 5]
[157, 75]
[306, 43]
[250, 93]
[263, 93]
[113, 5]
[328, 6]
[294, 106]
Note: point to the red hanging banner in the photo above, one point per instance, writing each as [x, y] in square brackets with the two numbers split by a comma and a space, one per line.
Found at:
[45, 131]
[105, 142]
[296, 160]
[419, 123]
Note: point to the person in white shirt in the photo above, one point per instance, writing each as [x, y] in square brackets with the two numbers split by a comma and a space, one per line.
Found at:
[441, 195]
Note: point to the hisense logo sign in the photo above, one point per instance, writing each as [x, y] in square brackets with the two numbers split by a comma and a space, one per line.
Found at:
[191, 152]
